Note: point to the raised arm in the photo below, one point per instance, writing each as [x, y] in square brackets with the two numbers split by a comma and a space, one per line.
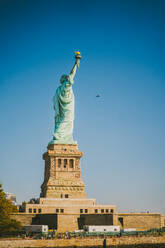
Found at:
[76, 65]
[73, 71]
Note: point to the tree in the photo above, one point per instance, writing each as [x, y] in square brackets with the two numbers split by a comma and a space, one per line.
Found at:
[6, 209]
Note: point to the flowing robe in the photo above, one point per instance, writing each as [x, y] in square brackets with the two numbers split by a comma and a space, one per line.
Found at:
[64, 113]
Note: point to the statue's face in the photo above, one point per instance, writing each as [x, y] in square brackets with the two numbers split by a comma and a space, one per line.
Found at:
[63, 78]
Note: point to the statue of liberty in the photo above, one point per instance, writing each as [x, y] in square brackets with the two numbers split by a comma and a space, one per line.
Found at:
[63, 102]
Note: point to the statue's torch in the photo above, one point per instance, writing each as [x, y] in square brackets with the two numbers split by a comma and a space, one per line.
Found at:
[78, 58]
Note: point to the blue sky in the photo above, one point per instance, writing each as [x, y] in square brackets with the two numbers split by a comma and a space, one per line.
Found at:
[122, 133]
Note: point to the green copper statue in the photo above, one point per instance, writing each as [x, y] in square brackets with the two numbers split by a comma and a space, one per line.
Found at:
[64, 107]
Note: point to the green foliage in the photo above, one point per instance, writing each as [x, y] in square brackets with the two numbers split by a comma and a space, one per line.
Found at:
[6, 209]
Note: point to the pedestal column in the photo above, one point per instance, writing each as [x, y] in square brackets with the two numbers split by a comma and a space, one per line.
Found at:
[62, 177]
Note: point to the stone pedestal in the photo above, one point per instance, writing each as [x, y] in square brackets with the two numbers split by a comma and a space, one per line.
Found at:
[63, 204]
[62, 178]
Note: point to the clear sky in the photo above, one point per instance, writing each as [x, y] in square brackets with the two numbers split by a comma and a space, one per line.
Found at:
[122, 133]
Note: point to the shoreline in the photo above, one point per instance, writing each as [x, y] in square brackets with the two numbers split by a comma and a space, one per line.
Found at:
[150, 241]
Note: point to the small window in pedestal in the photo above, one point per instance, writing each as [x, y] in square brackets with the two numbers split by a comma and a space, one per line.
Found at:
[66, 196]
[59, 163]
[71, 163]
[65, 163]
